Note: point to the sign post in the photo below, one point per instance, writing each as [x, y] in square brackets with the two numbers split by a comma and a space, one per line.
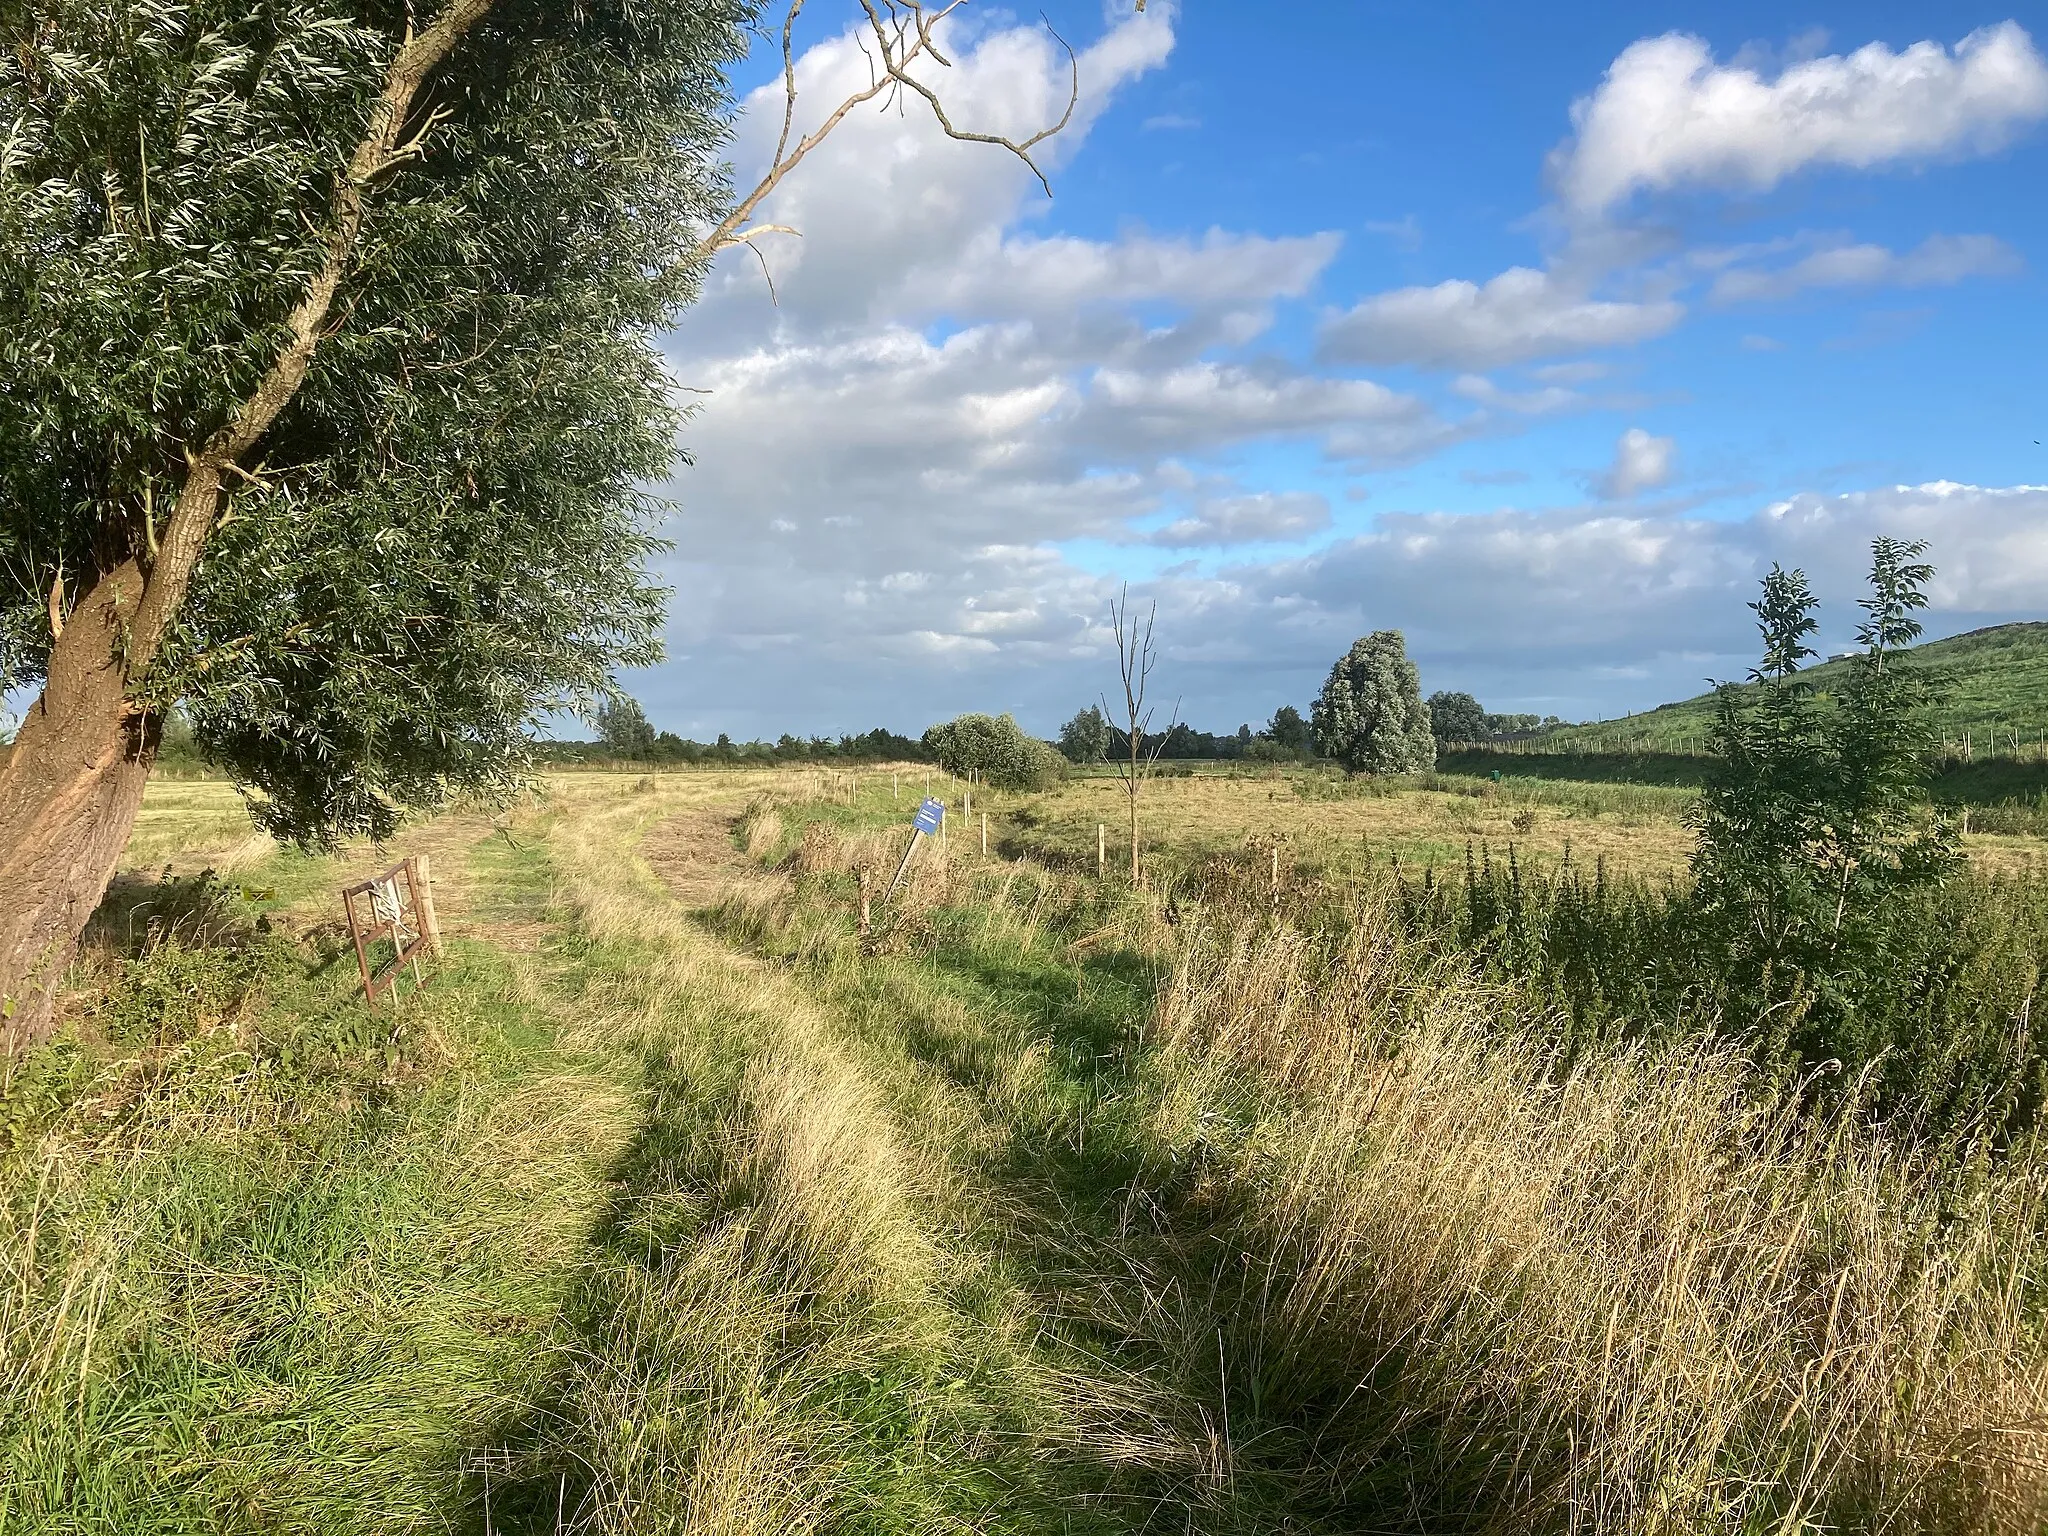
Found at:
[930, 817]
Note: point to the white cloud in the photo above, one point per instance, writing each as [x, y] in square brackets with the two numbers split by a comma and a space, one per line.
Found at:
[1263, 517]
[1641, 463]
[1668, 116]
[1989, 545]
[1520, 315]
[887, 463]
[1048, 276]
[888, 199]
[1546, 401]
[1938, 261]
[892, 466]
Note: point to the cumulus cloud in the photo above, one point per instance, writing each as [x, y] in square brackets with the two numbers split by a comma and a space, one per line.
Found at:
[1554, 607]
[1668, 116]
[1263, 517]
[1520, 315]
[1989, 545]
[1042, 276]
[906, 473]
[1641, 463]
[1936, 262]
[1545, 401]
[888, 460]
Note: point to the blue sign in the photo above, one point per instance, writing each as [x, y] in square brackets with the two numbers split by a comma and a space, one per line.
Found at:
[929, 815]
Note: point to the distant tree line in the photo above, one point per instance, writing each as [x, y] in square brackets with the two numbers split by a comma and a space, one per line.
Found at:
[1370, 718]
[625, 735]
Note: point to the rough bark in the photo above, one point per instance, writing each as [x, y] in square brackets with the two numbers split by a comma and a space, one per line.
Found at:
[69, 791]
[71, 786]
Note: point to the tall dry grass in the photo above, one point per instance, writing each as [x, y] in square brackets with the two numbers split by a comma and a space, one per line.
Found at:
[1647, 1293]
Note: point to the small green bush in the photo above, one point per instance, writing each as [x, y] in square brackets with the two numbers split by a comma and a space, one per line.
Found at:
[995, 748]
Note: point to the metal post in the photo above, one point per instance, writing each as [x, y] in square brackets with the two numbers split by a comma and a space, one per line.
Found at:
[1101, 851]
[911, 848]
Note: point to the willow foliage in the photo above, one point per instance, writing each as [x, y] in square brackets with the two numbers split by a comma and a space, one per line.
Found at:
[447, 532]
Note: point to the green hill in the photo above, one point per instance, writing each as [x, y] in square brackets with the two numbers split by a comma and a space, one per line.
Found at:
[1994, 682]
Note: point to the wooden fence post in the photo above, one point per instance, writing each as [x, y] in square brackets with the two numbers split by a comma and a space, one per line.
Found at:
[429, 919]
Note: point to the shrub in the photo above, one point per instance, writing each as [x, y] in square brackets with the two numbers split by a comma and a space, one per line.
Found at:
[996, 748]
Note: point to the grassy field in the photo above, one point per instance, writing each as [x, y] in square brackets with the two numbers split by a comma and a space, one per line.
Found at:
[683, 1199]
[1329, 825]
[1994, 681]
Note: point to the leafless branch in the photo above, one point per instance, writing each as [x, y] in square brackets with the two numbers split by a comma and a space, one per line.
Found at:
[902, 33]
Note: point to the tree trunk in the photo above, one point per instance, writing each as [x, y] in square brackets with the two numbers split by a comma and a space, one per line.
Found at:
[69, 791]
[71, 786]
[1134, 834]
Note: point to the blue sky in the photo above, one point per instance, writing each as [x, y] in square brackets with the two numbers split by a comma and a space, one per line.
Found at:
[1745, 283]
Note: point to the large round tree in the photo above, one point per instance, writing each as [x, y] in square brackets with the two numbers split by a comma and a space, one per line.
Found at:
[1370, 716]
[327, 390]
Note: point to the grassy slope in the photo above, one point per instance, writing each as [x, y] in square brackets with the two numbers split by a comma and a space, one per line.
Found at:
[1994, 677]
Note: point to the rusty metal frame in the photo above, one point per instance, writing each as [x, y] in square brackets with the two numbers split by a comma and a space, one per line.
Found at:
[406, 927]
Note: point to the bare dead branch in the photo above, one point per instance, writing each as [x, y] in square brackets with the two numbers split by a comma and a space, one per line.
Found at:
[902, 32]
[788, 79]
[767, 277]
[1136, 656]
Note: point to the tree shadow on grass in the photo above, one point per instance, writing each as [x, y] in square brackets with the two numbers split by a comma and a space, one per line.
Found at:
[1140, 1255]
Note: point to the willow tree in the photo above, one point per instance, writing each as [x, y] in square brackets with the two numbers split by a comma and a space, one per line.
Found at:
[328, 388]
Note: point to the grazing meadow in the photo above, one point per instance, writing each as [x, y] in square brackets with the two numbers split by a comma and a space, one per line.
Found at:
[705, 1189]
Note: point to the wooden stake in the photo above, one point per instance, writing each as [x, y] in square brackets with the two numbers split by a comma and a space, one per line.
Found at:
[984, 834]
[1101, 851]
[428, 919]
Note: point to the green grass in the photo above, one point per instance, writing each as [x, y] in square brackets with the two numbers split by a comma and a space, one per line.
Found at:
[2016, 788]
[1376, 1258]
[1993, 680]
[272, 1262]
[1039, 1206]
